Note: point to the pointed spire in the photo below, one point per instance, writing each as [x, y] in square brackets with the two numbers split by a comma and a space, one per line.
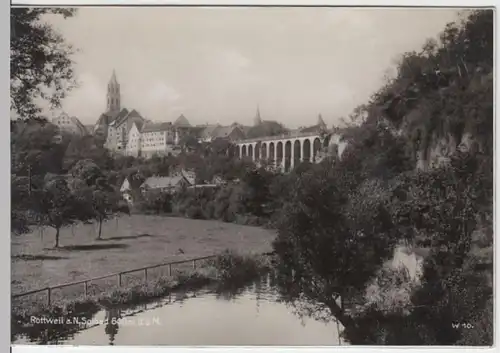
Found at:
[321, 122]
[257, 119]
[113, 77]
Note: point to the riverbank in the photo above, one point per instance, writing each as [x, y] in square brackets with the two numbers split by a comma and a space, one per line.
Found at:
[39, 321]
[131, 242]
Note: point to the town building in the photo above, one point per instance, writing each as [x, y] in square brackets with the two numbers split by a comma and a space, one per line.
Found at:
[116, 122]
[158, 139]
[118, 130]
[167, 184]
[319, 127]
[69, 124]
[231, 133]
[134, 141]
[128, 132]
[182, 128]
[214, 132]
[207, 133]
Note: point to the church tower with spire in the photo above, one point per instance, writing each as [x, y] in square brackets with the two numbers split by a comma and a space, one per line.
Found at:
[113, 95]
[257, 120]
[321, 122]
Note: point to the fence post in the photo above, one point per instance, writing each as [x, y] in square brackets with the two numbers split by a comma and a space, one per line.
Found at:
[86, 282]
[338, 332]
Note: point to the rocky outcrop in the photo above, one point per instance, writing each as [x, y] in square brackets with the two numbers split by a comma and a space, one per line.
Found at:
[440, 149]
[336, 146]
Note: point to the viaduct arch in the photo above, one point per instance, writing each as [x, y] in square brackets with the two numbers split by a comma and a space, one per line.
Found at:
[285, 151]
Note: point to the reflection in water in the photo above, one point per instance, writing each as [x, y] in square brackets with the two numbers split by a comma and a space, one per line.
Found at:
[219, 316]
[214, 316]
[180, 297]
[258, 296]
[112, 316]
[53, 330]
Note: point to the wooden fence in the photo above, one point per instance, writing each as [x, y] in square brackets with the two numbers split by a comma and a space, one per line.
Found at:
[118, 276]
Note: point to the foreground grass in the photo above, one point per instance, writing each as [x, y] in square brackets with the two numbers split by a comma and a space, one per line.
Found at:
[132, 242]
[229, 271]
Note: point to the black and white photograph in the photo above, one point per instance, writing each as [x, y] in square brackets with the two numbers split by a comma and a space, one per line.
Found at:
[251, 176]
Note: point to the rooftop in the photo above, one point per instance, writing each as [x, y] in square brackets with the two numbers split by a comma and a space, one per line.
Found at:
[223, 131]
[162, 182]
[169, 181]
[208, 130]
[182, 121]
[156, 127]
[114, 118]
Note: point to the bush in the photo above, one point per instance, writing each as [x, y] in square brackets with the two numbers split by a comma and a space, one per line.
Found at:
[194, 212]
[235, 270]
[250, 220]
[154, 202]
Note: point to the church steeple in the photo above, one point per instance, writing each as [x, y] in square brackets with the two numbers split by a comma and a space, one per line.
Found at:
[321, 122]
[113, 96]
[257, 120]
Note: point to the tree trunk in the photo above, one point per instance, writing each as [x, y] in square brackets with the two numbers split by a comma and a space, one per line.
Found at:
[57, 238]
[340, 315]
[338, 333]
[100, 229]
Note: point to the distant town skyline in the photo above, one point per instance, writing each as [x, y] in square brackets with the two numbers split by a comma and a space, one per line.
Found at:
[217, 65]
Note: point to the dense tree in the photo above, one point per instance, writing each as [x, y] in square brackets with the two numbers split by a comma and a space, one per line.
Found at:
[266, 128]
[256, 196]
[329, 244]
[87, 147]
[157, 202]
[190, 143]
[35, 151]
[20, 194]
[221, 165]
[446, 91]
[219, 147]
[437, 210]
[103, 201]
[105, 204]
[88, 172]
[36, 148]
[40, 60]
[373, 151]
[56, 206]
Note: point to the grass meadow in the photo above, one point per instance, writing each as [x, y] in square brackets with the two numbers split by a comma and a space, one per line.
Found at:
[128, 242]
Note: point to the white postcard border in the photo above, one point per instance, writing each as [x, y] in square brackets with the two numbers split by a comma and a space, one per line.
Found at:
[5, 155]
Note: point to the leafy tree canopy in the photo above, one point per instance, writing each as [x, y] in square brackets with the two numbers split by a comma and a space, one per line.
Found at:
[40, 60]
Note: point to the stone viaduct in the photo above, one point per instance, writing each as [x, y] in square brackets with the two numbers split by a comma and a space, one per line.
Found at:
[287, 150]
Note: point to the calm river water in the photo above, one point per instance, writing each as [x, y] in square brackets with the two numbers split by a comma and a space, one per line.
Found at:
[252, 317]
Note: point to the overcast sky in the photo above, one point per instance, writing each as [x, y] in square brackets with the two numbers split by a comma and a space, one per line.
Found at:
[215, 65]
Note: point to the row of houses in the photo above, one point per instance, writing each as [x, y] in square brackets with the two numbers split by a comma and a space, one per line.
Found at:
[147, 138]
[167, 184]
[127, 132]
